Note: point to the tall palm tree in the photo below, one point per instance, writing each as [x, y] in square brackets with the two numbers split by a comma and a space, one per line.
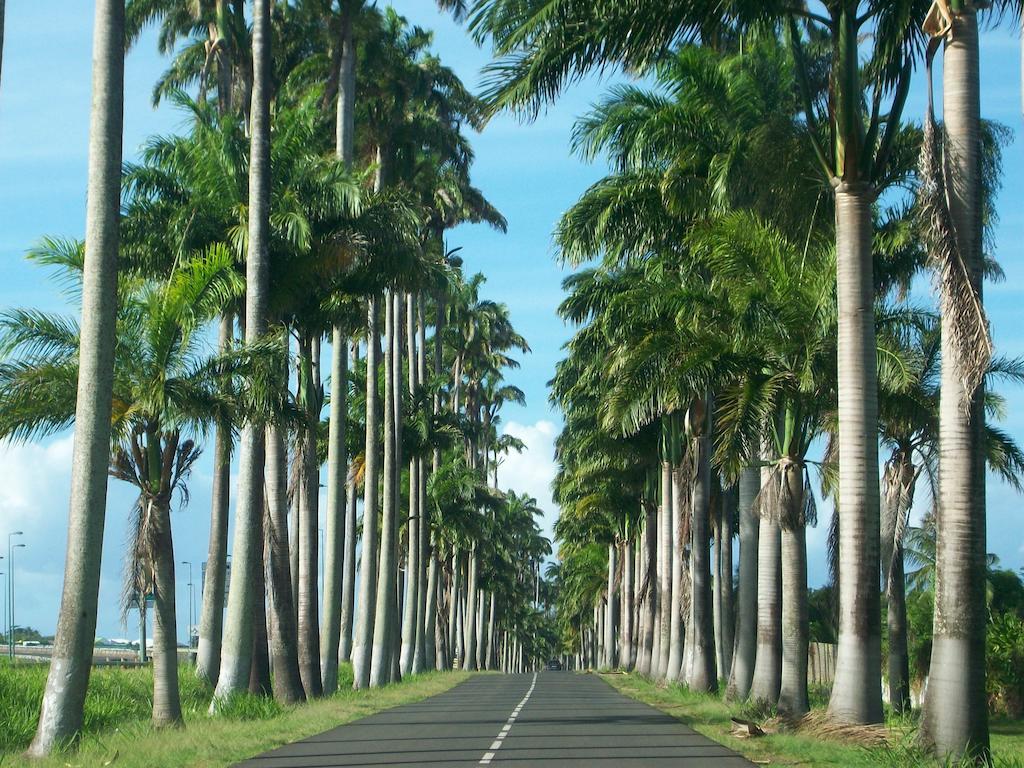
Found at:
[236, 655]
[60, 719]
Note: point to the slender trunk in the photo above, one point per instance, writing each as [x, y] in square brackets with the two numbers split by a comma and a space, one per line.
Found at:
[380, 666]
[211, 622]
[649, 606]
[363, 641]
[626, 616]
[430, 645]
[336, 524]
[166, 699]
[611, 660]
[665, 538]
[309, 525]
[453, 605]
[675, 670]
[412, 528]
[793, 690]
[236, 655]
[491, 615]
[730, 502]
[955, 717]
[701, 636]
[746, 615]
[348, 581]
[259, 668]
[857, 689]
[469, 645]
[283, 632]
[899, 653]
[60, 719]
[767, 677]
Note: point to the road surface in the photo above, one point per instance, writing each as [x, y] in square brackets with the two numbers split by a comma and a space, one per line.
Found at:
[549, 720]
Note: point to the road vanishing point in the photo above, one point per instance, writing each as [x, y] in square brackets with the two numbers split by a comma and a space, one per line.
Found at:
[549, 720]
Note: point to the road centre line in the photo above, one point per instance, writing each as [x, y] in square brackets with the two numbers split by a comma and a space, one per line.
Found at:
[488, 756]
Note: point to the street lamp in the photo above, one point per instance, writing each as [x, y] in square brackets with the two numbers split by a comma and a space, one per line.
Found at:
[189, 564]
[10, 578]
[10, 591]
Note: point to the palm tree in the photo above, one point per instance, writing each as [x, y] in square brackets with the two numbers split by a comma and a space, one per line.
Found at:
[164, 389]
[60, 719]
[236, 654]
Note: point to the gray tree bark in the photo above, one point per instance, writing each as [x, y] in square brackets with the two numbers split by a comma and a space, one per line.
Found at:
[60, 718]
[746, 615]
[666, 537]
[955, 717]
[701, 634]
[793, 699]
[767, 678]
[677, 627]
[309, 518]
[236, 654]
[649, 605]
[283, 631]
[348, 582]
[383, 638]
[857, 689]
[725, 618]
[362, 644]
[211, 623]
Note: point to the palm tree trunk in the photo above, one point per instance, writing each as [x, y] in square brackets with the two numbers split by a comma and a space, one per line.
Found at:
[363, 641]
[419, 654]
[430, 646]
[746, 624]
[955, 717]
[259, 668]
[492, 612]
[211, 622]
[857, 689]
[348, 580]
[469, 645]
[702, 639]
[309, 526]
[626, 616]
[767, 678]
[336, 640]
[666, 536]
[283, 632]
[793, 691]
[610, 610]
[727, 620]
[649, 606]
[336, 524]
[412, 528]
[899, 653]
[60, 719]
[166, 699]
[453, 605]
[675, 670]
[380, 665]
[236, 656]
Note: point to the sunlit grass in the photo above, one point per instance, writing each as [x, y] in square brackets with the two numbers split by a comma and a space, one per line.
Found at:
[711, 716]
[118, 731]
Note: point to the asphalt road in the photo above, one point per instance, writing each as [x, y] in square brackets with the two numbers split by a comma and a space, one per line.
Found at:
[550, 720]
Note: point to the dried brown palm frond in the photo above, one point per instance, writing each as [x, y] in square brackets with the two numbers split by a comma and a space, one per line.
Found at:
[818, 724]
[959, 298]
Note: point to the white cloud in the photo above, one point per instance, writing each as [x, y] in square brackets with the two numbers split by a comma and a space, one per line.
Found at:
[532, 470]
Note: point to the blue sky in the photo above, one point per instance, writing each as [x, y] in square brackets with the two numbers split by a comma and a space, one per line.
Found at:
[526, 170]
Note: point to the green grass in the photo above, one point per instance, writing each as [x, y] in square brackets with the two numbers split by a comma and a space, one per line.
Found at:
[710, 715]
[117, 730]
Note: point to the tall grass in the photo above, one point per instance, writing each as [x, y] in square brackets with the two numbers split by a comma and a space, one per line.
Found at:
[116, 697]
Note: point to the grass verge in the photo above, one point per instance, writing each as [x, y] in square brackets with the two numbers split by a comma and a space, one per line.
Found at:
[711, 716]
[118, 732]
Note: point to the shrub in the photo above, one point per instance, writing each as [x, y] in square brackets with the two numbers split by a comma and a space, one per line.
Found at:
[1004, 660]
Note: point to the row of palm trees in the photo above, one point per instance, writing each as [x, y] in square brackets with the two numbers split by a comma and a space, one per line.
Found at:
[766, 213]
[304, 210]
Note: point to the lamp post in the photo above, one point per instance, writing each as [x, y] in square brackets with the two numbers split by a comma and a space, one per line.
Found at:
[10, 591]
[189, 564]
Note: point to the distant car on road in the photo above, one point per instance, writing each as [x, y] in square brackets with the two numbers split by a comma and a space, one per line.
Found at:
[554, 665]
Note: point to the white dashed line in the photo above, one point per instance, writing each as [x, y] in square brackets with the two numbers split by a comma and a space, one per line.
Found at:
[488, 756]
